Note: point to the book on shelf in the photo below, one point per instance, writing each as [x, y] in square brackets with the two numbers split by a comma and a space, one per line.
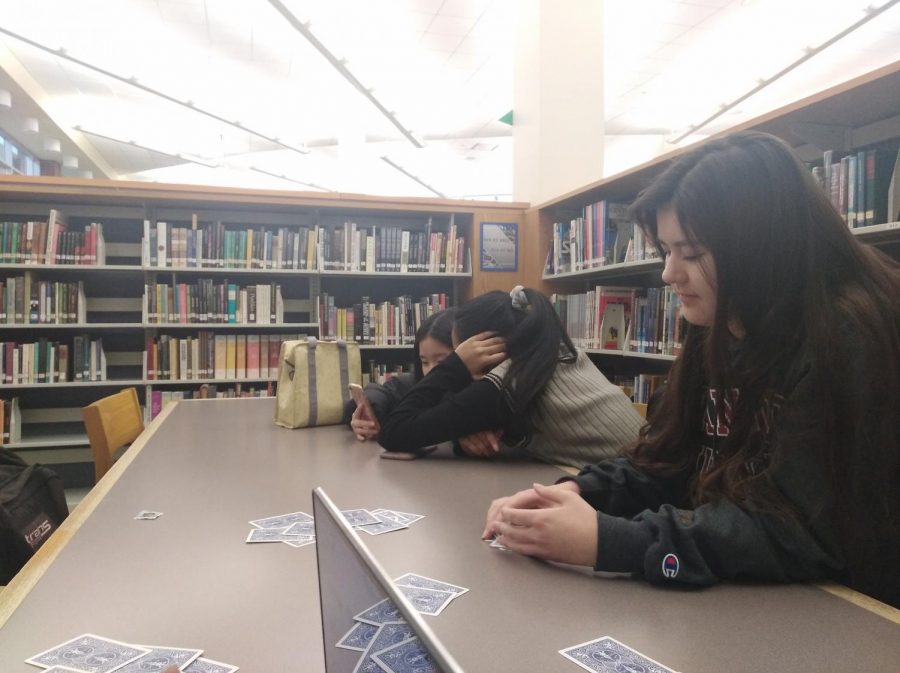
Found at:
[205, 301]
[10, 421]
[214, 245]
[46, 361]
[603, 234]
[861, 185]
[212, 356]
[159, 399]
[391, 249]
[643, 320]
[48, 302]
[379, 373]
[51, 242]
[387, 323]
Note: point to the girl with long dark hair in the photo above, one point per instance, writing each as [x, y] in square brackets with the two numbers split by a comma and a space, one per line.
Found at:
[775, 452]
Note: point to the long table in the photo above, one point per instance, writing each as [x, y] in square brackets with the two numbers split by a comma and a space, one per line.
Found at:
[188, 578]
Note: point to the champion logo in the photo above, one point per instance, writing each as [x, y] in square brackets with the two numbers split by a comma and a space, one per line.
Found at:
[670, 565]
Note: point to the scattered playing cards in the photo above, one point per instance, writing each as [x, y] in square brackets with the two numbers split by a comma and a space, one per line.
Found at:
[387, 643]
[297, 529]
[93, 654]
[608, 655]
[147, 515]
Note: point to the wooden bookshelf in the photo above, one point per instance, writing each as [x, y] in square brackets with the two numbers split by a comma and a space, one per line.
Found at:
[863, 113]
[114, 291]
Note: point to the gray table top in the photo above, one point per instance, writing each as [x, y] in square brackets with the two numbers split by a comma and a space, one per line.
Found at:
[189, 580]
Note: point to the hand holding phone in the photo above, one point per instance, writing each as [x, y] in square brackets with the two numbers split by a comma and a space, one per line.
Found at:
[364, 421]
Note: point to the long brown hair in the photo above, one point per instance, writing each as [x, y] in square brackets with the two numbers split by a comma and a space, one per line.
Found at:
[801, 286]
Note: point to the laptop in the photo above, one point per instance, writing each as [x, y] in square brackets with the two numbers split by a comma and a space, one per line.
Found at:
[351, 584]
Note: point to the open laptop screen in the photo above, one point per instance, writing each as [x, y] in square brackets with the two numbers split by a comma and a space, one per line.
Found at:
[367, 624]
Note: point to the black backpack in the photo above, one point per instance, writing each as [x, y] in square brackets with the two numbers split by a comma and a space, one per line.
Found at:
[32, 506]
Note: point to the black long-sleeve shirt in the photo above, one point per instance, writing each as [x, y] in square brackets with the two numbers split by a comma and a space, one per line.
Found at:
[647, 525]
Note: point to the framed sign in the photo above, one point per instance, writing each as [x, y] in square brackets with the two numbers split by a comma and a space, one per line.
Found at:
[499, 246]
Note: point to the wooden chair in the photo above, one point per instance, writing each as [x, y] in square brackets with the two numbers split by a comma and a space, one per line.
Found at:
[111, 423]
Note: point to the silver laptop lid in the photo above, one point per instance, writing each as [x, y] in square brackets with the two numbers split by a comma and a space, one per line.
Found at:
[351, 581]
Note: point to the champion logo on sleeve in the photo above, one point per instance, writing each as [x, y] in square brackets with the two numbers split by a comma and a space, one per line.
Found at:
[670, 565]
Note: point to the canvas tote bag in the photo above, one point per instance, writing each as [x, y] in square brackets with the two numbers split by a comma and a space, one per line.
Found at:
[312, 381]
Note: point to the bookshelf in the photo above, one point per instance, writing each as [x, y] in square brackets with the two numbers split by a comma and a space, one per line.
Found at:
[136, 303]
[848, 119]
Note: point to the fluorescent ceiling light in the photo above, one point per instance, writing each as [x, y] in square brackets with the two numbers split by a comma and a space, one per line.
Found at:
[405, 172]
[134, 143]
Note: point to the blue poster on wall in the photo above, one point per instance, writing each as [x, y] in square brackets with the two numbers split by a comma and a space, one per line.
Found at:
[499, 246]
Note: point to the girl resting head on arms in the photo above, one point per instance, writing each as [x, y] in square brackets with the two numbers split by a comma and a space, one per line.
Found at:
[515, 373]
[432, 344]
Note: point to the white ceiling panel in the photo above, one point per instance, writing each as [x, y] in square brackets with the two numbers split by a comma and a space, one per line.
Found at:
[442, 67]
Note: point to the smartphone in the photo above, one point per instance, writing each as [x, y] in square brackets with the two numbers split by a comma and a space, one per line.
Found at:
[356, 392]
[407, 455]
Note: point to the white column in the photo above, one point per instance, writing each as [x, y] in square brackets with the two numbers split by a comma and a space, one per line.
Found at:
[558, 97]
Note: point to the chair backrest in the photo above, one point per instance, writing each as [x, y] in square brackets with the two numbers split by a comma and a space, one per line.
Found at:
[111, 423]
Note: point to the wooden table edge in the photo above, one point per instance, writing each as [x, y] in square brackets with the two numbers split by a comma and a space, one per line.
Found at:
[16, 591]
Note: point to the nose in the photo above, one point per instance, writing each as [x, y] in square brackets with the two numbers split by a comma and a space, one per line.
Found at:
[672, 271]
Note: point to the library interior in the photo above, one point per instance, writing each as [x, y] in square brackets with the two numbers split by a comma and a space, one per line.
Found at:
[246, 245]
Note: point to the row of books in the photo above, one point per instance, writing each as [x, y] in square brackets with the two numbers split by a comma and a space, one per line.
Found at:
[387, 323]
[160, 398]
[603, 234]
[27, 301]
[392, 249]
[642, 320]
[381, 373]
[347, 247]
[51, 242]
[640, 387]
[46, 361]
[10, 421]
[205, 301]
[864, 186]
[213, 356]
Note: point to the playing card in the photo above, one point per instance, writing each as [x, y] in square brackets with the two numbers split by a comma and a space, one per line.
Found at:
[496, 544]
[146, 514]
[201, 665]
[385, 637]
[160, 658]
[281, 520]
[399, 517]
[410, 656]
[427, 601]
[384, 525]
[299, 540]
[608, 655]
[359, 517]
[381, 612]
[358, 637]
[89, 653]
[307, 528]
[269, 535]
[422, 582]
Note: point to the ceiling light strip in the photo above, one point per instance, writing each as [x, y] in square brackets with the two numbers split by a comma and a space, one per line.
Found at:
[870, 13]
[131, 81]
[132, 143]
[338, 65]
[412, 177]
[284, 177]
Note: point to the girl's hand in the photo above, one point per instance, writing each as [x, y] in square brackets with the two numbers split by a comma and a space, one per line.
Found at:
[563, 531]
[483, 444]
[362, 427]
[527, 499]
[481, 352]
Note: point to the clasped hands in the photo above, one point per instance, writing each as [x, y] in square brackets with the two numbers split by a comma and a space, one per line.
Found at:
[553, 523]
